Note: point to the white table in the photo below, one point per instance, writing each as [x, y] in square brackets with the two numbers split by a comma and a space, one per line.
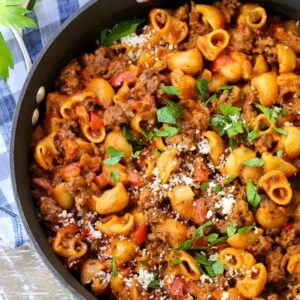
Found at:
[24, 276]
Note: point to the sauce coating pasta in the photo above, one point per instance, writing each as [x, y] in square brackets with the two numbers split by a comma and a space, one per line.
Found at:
[167, 163]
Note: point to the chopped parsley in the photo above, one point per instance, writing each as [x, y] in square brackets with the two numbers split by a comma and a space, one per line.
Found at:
[245, 229]
[136, 154]
[270, 112]
[115, 176]
[253, 196]
[253, 162]
[175, 261]
[168, 131]
[169, 113]
[231, 230]
[211, 238]
[204, 186]
[125, 28]
[113, 267]
[280, 130]
[154, 284]
[170, 90]
[148, 134]
[211, 268]
[279, 153]
[202, 88]
[155, 151]
[229, 122]
[217, 189]
[115, 156]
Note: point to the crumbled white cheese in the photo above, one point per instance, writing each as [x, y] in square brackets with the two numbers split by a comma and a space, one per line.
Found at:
[214, 257]
[145, 277]
[95, 233]
[225, 296]
[203, 146]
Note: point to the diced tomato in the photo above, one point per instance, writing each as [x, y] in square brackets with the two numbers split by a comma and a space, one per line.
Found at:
[217, 295]
[96, 121]
[221, 60]
[117, 79]
[70, 171]
[71, 228]
[134, 178]
[102, 180]
[177, 287]
[288, 226]
[200, 211]
[201, 171]
[141, 234]
[200, 242]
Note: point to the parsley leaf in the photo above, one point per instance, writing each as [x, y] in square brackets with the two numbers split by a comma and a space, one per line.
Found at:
[226, 87]
[169, 113]
[279, 153]
[253, 196]
[128, 134]
[154, 284]
[204, 186]
[136, 154]
[115, 176]
[115, 156]
[217, 189]
[202, 88]
[245, 229]
[155, 151]
[148, 134]
[13, 15]
[211, 238]
[280, 130]
[125, 28]
[168, 131]
[229, 121]
[6, 59]
[200, 230]
[254, 162]
[218, 267]
[170, 90]
[175, 261]
[231, 230]
[113, 267]
[230, 179]
[185, 245]
[270, 113]
[253, 135]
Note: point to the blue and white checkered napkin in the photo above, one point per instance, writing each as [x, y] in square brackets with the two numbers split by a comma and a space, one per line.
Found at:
[49, 15]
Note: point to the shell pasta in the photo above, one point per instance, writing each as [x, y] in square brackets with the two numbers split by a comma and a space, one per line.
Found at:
[167, 162]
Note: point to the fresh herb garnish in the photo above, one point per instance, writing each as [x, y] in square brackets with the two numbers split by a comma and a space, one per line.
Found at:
[218, 267]
[253, 196]
[115, 176]
[170, 90]
[279, 153]
[136, 154]
[232, 143]
[169, 113]
[229, 122]
[202, 88]
[11, 14]
[148, 134]
[154, 284]
[175, 261]
[155, 151]
[253, 135]
[204, 186]
[226, 87]
[212, 268]
[168, 131]
[245, 229]
[211, 238]
[231, 230]
[143, 262]
[253, 162]
[230, 179]
[270, 113]
[128, 134]
[115, 156]
[280, 130]
[119, 31]
[217, 189]
[113, 267]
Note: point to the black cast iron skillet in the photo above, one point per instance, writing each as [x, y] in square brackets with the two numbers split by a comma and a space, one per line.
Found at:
[77, 35]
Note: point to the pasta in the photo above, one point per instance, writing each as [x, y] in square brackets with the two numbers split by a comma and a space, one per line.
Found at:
[166, 165]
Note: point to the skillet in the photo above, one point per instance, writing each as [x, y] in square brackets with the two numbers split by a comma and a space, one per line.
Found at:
[76, 36]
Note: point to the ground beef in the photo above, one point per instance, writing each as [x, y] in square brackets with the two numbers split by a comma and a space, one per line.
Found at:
[69, 81]
[114, 115]
[229, 8]
[286, 238]
[242, 39]
[266, 46]
[49, 209]
[276, 272]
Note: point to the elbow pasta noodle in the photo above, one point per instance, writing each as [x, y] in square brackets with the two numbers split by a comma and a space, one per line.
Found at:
[277, 187]
[267, 88]
[166, 164]
[212, 44]
[211, 15]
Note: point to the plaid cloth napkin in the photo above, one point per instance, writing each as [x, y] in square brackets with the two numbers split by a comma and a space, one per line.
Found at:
[49, 15]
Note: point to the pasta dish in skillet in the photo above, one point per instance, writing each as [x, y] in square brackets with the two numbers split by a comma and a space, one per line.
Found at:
[166, 164]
